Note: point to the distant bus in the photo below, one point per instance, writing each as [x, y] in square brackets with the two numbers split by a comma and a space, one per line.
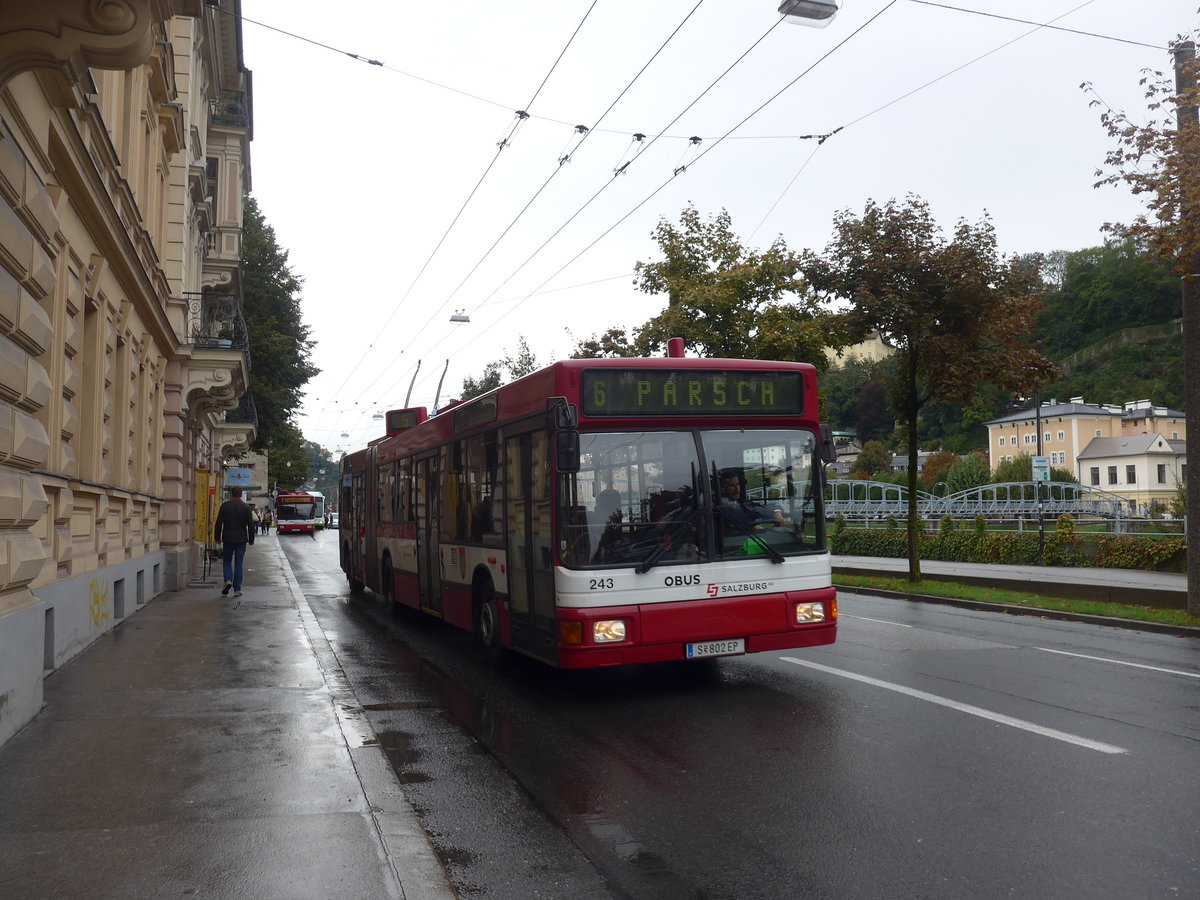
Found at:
[319, 512]
[295, 512]
[588, 514]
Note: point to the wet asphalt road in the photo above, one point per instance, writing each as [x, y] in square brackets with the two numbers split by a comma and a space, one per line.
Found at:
[931, 752]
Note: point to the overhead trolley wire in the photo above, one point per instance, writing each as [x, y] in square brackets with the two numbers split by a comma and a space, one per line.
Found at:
[675, 174]
[585, 133]
[745, 137]
[506, 141]
[643, 147]
[1038, 27]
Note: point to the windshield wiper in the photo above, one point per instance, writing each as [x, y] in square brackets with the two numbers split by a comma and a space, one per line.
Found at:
[667, 531]
[775, 555]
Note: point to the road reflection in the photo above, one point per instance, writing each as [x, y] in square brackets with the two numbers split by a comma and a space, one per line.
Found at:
[672, 778]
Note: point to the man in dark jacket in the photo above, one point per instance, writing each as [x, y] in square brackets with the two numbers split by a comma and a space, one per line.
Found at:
[234, 530]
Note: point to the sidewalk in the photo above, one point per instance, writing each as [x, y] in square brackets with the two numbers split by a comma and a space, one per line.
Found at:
[209, 746]
[1162, 589]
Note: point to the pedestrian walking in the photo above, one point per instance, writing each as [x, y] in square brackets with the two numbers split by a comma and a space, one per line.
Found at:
[234, 531]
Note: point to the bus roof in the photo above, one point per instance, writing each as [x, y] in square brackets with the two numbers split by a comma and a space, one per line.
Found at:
[528, 396]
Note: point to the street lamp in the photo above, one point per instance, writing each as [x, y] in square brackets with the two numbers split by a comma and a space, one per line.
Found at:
[813, 13]
[1039, 471]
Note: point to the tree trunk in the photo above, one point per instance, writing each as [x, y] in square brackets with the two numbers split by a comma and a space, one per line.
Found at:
[1187, 118]
[914, 555]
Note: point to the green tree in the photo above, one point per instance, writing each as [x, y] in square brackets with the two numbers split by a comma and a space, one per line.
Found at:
[969, 472]
[875, 419]
[875, 458]
[1020, 468]
[959, 314]
[725, 300]
[612, 343]
[501, 371]
[280, 343]
[287, 459]
[840, 387]
[1106, 289]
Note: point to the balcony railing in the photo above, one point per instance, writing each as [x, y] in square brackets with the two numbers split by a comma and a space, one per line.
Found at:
[218, 324]
[245, 413]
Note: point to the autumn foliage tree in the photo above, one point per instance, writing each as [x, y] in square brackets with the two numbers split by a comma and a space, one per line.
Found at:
[1160, 160]
[959, 313]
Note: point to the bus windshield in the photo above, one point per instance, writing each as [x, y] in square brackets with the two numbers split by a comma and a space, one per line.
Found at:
[286, 511]
[648, 498]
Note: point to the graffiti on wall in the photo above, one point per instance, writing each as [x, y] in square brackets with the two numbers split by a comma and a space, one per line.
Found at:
[98, 602]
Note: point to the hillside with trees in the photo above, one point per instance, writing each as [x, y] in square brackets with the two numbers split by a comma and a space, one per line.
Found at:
[1109, 321]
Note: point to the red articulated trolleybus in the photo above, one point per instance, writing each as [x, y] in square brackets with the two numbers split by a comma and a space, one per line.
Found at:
[606, 512]
[295, 512]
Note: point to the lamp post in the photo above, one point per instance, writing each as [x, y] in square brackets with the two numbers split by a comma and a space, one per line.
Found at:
[1039, 470]
[1037, 481]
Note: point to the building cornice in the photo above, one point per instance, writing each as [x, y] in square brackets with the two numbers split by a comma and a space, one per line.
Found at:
[65, 38]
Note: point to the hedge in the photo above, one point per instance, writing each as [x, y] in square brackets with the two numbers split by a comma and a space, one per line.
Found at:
[1061, 547]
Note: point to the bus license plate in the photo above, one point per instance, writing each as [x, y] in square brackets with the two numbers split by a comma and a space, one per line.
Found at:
[730, 647]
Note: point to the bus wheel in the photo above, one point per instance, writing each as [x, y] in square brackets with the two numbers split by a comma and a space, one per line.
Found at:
[356, 586]
[388, 587]
[487, 620]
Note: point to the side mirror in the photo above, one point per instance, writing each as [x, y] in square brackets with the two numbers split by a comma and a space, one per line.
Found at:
[566, 415]
[828, 450]
[566, 451]
[564, 421]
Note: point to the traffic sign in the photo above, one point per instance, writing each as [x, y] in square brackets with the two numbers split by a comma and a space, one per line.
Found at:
[1041, 468]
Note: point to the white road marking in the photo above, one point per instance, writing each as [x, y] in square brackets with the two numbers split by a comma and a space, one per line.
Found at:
[1121, 662]
[965, 708]
[868, 619]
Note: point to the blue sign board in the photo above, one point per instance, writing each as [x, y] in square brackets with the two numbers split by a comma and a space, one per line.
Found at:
[238, 477]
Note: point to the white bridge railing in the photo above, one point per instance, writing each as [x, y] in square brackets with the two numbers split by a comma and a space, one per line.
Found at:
[1018, 500]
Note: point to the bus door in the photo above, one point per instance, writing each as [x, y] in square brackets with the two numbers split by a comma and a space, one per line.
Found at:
[531, 569]
[429, 564]
[353, 501]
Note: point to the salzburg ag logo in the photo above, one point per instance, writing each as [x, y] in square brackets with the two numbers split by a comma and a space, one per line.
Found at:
[740, 587]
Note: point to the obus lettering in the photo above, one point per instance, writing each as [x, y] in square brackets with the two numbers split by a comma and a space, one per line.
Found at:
[681, 580]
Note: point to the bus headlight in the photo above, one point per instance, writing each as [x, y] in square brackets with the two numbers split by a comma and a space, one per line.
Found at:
[807, 613]
[608, 630]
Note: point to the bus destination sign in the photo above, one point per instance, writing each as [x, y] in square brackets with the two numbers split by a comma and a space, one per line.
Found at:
[714, 392]
[400, 419]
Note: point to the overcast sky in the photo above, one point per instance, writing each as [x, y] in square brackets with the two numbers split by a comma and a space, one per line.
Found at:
[390, 190]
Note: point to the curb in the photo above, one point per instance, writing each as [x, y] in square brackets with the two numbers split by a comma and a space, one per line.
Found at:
[1039, 612]
[410, 854]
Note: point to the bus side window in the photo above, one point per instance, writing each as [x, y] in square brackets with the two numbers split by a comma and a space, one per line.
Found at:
[451, 492]
[480, 472]
[387, 475]
[401, 506]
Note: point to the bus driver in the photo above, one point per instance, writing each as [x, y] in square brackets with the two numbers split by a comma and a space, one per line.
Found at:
[742, 511]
